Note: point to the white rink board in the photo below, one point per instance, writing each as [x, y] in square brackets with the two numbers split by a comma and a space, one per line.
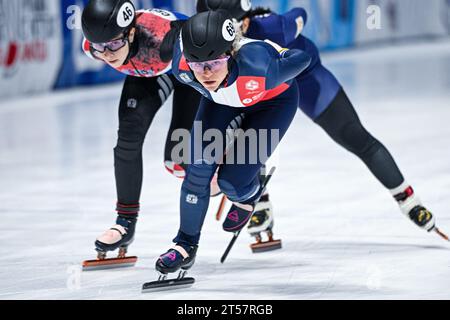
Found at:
[30, 46]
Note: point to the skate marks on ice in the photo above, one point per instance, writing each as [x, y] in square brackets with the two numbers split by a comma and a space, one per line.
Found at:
[309, 270]
[321, 270]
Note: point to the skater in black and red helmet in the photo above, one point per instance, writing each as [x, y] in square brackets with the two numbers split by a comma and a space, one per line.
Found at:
[138, 44]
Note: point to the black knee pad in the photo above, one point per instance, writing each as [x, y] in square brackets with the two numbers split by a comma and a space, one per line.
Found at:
[125, 150]
[356, 139]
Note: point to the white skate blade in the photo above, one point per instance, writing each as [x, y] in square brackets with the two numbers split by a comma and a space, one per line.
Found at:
[112, 263]
[165, 285]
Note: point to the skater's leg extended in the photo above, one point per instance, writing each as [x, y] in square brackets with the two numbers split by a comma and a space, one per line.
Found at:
[240, 180]
[138, 105]
[195, 191]
[325, 102]
[343, 125]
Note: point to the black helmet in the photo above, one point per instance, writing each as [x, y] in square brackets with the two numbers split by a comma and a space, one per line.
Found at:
[103, 20]
[207, 35]
[236, 8]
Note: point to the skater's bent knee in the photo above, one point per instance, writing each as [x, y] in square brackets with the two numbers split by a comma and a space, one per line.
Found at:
[237, 192]
[198, 177]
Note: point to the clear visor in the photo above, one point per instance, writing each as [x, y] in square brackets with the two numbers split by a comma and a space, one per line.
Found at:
[212, 65]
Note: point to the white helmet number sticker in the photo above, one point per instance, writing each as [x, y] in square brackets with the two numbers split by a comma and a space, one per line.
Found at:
[126, 15]
[228, 32]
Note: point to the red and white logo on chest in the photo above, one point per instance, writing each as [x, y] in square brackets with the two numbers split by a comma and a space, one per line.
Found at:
[252, 85]
[251, 89]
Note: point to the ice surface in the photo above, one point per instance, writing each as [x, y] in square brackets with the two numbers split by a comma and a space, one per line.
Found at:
[343, 235]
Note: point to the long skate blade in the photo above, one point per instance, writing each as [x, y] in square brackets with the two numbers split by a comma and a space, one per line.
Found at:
[112, 263]
[266, 246]
[268, 177]
[222, 204]
[173, 284]
[441, 234]
[230, 245]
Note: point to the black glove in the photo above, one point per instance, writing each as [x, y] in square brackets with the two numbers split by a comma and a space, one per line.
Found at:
[168, 43]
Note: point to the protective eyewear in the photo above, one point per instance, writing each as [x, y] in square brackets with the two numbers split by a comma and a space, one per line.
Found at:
[112, 46]
[212, 65]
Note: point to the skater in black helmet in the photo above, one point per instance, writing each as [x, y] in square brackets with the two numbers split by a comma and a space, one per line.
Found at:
[139, 44]
[247, 87]
[325, 102]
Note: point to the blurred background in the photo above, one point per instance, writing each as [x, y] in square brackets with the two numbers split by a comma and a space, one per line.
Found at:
[40, 39]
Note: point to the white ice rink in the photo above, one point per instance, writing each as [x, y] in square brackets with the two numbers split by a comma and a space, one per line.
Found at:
[343, 235]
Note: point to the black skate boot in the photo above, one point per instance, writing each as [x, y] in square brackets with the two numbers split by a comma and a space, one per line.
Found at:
[180, 258]
[422, 218]
[120, 236]
[237, 217]
[239, 214]
[262, 221]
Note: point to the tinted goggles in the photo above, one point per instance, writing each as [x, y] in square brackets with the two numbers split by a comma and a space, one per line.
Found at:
[212, 65]
[112, 46]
